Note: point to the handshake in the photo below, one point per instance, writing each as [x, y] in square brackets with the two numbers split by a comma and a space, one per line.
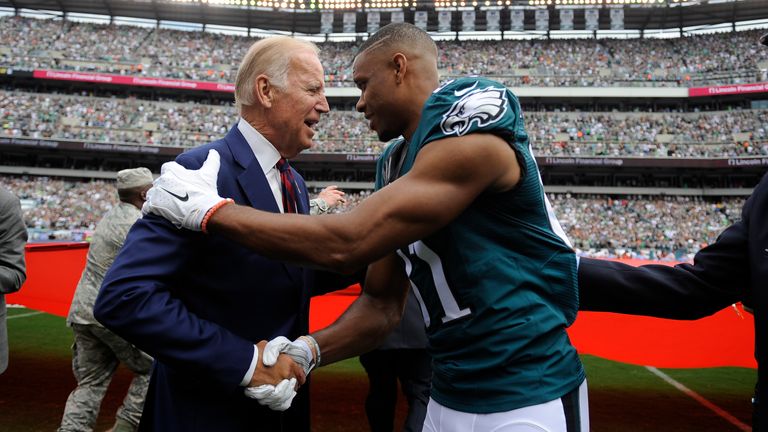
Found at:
[302, 356]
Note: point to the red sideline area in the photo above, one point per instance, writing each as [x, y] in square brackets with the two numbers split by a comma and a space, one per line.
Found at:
[724, 339]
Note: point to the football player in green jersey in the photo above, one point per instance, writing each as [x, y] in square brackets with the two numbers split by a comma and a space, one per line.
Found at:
[460, 217]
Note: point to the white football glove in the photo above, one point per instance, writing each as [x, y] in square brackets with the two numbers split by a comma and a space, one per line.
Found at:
[184, 196]
[277, 398]
[298, 350]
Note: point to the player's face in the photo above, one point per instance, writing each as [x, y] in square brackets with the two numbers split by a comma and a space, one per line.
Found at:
[374, 76]
[297, 108]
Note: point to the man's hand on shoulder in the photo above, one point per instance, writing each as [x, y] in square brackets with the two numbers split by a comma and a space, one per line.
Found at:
[185, 196]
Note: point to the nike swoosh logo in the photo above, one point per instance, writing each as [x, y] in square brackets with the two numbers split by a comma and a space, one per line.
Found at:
[179, 197]
[460, 93]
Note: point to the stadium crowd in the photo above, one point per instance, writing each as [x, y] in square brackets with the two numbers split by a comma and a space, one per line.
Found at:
[553, 133]
[711, 59]
[670, 227]
[56, 209]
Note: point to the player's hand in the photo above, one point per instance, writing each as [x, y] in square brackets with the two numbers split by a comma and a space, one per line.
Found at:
[299, 350]
[184, 196]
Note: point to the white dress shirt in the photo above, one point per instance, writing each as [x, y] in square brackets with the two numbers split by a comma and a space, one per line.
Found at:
[267, 156]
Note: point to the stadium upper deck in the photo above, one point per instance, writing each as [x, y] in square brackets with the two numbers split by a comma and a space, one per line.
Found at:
[710, 59]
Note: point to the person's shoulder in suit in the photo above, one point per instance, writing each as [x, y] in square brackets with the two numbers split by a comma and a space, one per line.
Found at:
[194, 158]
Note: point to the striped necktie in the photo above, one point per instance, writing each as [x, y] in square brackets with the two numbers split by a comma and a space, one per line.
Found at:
[288, 186]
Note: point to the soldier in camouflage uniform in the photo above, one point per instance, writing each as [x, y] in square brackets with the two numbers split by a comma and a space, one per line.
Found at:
[96, 351]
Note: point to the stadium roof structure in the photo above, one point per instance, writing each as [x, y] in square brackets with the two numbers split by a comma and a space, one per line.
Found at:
[306, 16]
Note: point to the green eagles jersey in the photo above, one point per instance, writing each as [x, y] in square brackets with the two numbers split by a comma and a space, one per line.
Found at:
[498, 285]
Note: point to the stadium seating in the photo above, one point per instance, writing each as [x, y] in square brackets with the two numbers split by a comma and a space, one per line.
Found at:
[710, 59]
[553, 133]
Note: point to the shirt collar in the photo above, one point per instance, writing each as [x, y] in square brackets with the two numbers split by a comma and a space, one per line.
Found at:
[264, 151]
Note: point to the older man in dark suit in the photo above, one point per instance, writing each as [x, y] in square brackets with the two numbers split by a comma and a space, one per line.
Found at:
[199, 303]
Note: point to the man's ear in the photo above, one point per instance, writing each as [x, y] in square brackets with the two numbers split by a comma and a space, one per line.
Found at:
[264, 91]
[401, 64]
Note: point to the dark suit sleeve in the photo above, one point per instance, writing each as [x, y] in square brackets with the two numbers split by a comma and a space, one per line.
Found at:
[718, 277]
[146, 296]
[140, 300]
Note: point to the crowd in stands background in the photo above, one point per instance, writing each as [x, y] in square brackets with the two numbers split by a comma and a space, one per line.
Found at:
[731, 133]
[710, 59]
[663, 228]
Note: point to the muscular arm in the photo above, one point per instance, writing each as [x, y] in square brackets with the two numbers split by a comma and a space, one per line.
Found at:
[446, 177]
[371, 317]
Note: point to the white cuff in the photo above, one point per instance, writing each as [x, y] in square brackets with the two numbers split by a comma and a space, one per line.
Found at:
[249, 374]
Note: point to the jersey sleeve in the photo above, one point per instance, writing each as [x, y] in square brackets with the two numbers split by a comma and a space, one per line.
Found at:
[470, 105]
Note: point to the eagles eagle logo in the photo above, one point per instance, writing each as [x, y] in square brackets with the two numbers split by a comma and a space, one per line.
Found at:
[483, 106]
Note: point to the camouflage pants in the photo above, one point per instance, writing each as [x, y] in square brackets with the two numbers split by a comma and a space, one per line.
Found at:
[96, 354]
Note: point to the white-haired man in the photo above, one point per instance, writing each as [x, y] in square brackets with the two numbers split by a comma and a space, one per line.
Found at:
[198, 304]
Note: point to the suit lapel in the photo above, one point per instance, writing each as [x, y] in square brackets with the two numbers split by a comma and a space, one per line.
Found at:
[255, 186]
[251, 178]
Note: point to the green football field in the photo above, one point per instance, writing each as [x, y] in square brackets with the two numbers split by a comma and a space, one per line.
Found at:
[622, 397]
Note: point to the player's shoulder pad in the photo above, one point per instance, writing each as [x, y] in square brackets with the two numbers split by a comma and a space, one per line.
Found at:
[470, 104]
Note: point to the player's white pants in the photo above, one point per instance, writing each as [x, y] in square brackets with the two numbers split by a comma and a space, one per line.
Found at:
[569, 413]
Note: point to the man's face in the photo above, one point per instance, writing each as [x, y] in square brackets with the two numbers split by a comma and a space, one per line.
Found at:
[297, 108]
[375, 77]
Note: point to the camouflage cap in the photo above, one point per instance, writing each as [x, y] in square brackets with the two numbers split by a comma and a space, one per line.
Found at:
[134, 177]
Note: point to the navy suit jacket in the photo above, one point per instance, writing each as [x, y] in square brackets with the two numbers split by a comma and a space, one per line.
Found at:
[733, 268]
[198, 303]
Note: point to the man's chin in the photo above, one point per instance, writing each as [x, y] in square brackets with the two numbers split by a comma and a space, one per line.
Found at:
[306, 146]
[385, 136]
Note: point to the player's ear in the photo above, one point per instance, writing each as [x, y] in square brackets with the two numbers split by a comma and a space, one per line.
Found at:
[400, 62]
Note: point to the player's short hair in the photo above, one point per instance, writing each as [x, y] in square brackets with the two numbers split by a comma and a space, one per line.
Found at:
[272, 57]
[400, 36]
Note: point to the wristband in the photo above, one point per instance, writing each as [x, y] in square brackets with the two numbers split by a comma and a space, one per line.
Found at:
[312, 343]
[212, 210]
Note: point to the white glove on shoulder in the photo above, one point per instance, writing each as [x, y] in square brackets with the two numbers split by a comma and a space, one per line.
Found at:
[299, 350]
[184, 196]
